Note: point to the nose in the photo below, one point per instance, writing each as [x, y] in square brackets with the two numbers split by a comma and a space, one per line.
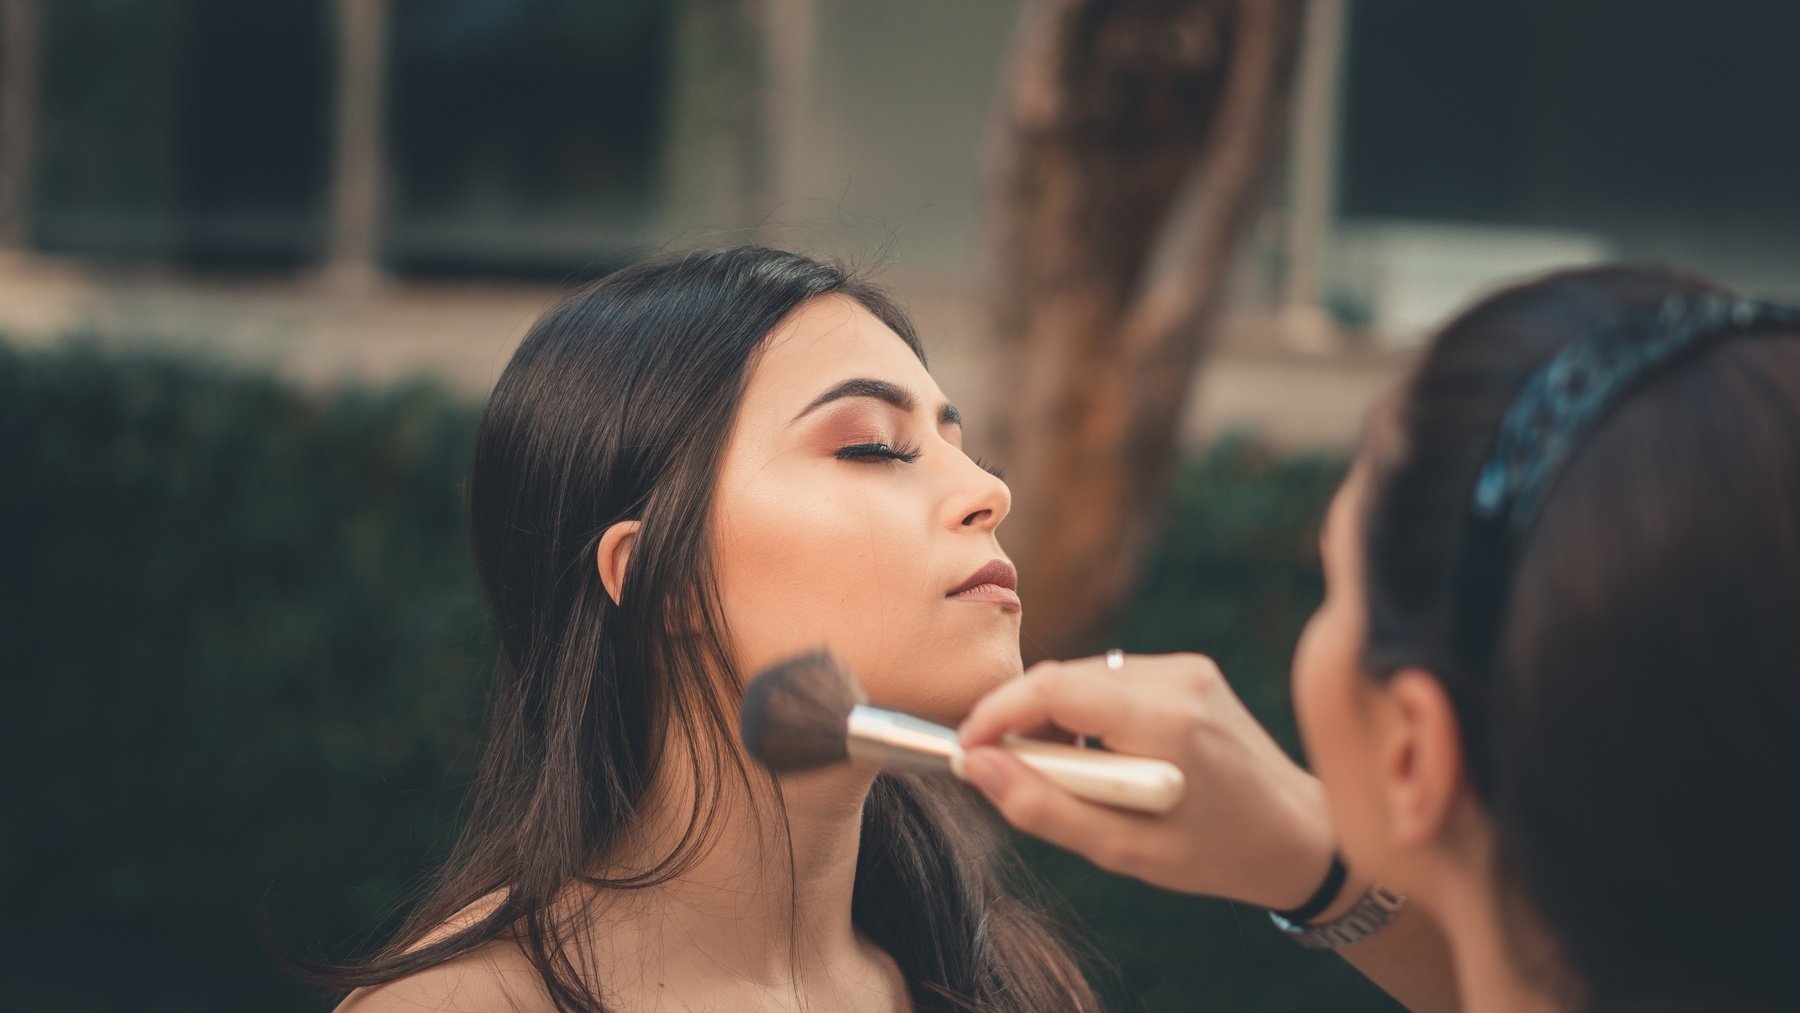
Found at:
[980, 500]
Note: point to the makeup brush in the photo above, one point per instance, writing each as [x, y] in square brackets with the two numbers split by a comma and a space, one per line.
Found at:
[810, 712]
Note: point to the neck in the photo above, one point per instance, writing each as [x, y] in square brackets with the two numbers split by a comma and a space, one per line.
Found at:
[1496, 969]
[747, 908]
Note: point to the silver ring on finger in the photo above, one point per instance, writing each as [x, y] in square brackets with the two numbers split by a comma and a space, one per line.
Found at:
[1115, 660]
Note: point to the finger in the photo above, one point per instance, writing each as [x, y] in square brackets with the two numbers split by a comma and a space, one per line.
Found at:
[1090, 667]
[1073, 697]
[1032, 804]
[1047, 732]
[1016, 707]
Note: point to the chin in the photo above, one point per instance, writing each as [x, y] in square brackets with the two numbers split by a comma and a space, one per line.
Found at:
[948, 688]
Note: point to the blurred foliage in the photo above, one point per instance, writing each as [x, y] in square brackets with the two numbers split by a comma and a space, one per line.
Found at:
[243, 649]
[1236, 573]
[246, 657]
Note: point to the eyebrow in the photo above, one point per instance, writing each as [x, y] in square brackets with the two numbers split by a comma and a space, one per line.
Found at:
[881, 390]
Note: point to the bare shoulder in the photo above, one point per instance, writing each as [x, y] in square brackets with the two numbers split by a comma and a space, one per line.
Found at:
[494, 977]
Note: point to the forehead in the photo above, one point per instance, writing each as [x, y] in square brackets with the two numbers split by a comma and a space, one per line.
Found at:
[1384, 436]
[828, 340]
[1342, 547]
[1347, 502]
[1382, 445]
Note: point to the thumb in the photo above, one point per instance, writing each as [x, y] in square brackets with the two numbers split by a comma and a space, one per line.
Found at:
[986, 769]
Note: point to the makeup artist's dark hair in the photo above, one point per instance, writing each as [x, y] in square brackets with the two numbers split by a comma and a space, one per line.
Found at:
[617, 406]
[1629, 720]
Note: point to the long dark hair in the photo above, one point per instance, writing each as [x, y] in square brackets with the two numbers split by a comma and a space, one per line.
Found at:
[1630, 723]
[616, 406]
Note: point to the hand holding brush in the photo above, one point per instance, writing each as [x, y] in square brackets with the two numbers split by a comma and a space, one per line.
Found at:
[809, 711]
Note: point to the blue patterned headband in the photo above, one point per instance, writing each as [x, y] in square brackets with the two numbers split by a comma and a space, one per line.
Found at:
[1564, 398]
[1559, 404]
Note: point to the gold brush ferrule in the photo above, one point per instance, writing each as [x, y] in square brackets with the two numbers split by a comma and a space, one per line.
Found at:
[898, 741]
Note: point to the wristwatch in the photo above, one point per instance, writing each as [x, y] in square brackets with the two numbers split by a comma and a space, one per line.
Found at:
[1376, 908]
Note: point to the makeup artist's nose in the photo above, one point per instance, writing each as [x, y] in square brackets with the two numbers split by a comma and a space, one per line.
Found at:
[983, 502]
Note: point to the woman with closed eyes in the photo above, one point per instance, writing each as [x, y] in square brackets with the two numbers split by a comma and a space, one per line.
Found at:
[693, 469]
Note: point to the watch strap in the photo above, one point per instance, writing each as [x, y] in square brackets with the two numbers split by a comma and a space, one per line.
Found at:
[1370, 915]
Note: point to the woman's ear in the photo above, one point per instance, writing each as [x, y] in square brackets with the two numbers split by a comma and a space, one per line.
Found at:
[1420, 758]
[614, 555]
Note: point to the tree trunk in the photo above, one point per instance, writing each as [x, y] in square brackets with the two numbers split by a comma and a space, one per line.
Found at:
[21, 39]
[1132, 149]
[359, 146]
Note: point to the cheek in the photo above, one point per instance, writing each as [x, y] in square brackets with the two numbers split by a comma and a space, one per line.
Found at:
[853, 562]
[1324, 687]
[1312, 664]
[837, 568]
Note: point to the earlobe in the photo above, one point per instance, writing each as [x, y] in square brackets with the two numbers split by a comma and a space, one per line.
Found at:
[1422, 758]
[614, 555]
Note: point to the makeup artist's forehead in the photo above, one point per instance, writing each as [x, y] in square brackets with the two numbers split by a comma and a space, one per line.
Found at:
[1343, 534]
[1383, 437]
[824, 342]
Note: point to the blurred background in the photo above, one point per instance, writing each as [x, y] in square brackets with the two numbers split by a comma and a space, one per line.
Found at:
[260, 262]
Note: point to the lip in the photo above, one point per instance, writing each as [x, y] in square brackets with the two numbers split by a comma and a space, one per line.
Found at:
[996, 582]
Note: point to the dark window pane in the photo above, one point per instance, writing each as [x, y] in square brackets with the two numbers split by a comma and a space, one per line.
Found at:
[256, 107]
[1435, 117]
[1664, 127]
[526, 133]
[189, 130]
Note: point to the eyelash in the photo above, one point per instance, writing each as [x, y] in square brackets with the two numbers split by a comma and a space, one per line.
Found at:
[905, 454]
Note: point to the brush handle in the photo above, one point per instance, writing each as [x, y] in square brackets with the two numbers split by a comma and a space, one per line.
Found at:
[1128, 782]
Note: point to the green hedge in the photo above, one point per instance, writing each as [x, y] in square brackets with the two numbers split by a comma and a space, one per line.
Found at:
[245, 659]
[243, 652]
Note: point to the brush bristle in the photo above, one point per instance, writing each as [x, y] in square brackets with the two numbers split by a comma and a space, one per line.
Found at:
[795, 714]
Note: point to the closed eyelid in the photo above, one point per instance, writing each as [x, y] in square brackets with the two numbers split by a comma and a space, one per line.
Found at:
[859, 421]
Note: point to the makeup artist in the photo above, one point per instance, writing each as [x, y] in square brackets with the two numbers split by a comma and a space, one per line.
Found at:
[1548, 699]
